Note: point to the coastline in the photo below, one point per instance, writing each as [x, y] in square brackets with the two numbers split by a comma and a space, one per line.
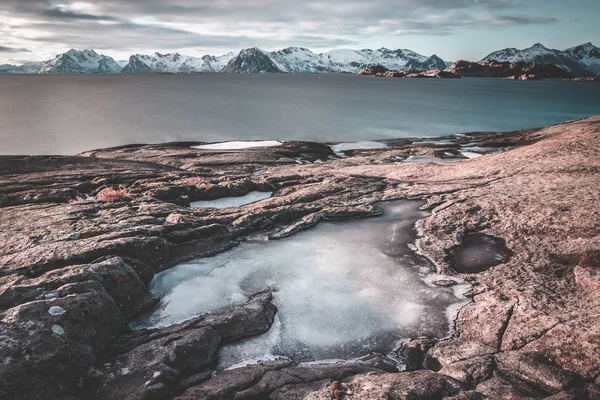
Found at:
[520, 335]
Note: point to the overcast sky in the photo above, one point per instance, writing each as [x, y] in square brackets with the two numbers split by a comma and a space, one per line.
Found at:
[452, 29]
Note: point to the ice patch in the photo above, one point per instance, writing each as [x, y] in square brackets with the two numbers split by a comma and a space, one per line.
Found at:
[364, 145]
[226, 202]
[343, 290]
[237, 145]
[477, 149]
[56, 310]
[436, 142]
[58, 330]
[470, 154]
[423, 159]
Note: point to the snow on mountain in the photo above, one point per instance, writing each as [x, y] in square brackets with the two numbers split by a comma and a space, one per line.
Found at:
[583, 60]
[80, 62]
[302, 60]
[253, 61]
[216, 64]
[30, 67]
[433, 62]
[542, 55]
[588, 55]
[297, 60]
[174, 63]
[4, 68]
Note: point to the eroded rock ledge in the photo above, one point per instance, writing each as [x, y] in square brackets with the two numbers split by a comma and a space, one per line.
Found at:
[74, 270]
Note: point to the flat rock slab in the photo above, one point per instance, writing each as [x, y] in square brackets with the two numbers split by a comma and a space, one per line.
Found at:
[74, 267]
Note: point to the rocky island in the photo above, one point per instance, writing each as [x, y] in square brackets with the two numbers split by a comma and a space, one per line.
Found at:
[83, 236]
[484, 69]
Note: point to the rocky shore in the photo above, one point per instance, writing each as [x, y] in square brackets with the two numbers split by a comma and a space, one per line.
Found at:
[83, 236]
[484, 69]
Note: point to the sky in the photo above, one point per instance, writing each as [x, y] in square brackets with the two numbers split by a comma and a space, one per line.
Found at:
[452, 29]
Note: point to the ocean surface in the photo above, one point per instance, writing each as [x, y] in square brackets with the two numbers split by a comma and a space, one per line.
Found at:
[50, 114]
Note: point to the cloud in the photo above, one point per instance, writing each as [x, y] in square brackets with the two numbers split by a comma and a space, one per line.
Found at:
[4, 49]
[71, 15]
[120, 25]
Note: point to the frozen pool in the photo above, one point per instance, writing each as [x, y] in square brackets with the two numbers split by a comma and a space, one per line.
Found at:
[423, 159]
[364, 145]
[343, 289]
[238, 145]
[226, 202]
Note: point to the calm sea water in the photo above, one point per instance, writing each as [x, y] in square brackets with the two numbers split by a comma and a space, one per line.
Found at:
[69, 114]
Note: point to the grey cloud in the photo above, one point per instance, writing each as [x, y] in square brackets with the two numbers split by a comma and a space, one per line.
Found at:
[117, 24]
[5, 49]
[57, 13]
[520, 20]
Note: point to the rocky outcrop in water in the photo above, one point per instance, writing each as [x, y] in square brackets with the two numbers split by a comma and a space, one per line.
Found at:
[74, 270]
[517, 70]
[380, 71]
[484, 69]
[581, 61]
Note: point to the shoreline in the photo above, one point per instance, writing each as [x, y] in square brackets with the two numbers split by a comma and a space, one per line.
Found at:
[93, 260]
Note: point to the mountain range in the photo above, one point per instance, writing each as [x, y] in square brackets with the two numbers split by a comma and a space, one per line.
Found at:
[583, 60]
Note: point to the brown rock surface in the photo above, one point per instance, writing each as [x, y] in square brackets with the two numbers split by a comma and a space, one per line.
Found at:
[73, 271]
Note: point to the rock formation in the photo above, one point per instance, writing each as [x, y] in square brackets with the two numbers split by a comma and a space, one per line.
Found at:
[484, 69]
[74, 270]
[380, 71]
[517, 70]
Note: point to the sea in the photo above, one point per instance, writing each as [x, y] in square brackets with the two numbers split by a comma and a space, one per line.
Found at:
[68, 114]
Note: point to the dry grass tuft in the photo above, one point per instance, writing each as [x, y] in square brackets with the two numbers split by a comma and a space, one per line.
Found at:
[110, 194]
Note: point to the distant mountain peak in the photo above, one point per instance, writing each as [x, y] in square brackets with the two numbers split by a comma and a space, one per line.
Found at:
[252, 50]
[174, 63]
[251, 60]
[583, 60]
[80, 62]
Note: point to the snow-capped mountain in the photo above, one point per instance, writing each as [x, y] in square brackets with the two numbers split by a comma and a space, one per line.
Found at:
[80, 62]
[174, 63]
[7, 67]
[30, 67]
[251, 61]
[576, 60]
[216, 64]
[301, 60]
[297, 60]
[433, 62]
[588, 55]
[583, 60]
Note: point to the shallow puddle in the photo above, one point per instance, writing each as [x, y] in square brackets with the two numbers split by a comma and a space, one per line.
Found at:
[477, 253]
[343, 290]
[226, 202]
